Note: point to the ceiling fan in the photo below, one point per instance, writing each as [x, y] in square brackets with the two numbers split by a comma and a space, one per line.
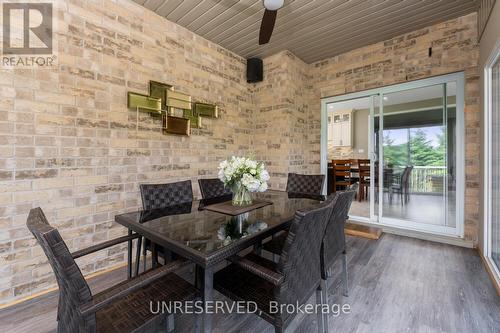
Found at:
[268, 20]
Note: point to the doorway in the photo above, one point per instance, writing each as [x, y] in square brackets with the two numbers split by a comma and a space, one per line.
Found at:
[403, 145]
[349, 141]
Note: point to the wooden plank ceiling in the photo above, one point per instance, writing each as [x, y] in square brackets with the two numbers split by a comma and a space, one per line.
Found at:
[311, 29]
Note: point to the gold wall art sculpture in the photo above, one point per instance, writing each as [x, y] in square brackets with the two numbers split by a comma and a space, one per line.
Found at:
[179, 113]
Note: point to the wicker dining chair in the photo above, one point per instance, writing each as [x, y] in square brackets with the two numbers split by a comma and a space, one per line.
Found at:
[275, 244]
[159, 196]
[213, 188]
[304, 187]
[299, 184]
[124, 307]
[334, 244]
[294, 279]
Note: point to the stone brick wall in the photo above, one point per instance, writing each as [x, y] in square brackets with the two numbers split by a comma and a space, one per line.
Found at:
[69, 144]
[401, 59]
[281, 131]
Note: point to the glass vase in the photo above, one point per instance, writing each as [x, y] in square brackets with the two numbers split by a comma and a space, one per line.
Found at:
[241, 195]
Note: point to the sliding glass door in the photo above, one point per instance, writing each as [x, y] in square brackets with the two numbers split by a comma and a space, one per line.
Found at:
[417, 148]
[404, 148]
[495, 167]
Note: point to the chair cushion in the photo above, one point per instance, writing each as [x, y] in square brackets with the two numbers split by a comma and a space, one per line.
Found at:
[240, 285]
[133, 311]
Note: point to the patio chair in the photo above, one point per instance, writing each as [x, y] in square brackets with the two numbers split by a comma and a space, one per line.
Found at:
[403, 187]
[159, 196]
[334, 244]
[121, 308]
[213, 188]
[155, 196]
[299, 185]
[388, 181]
[294, 279]
[304, 187]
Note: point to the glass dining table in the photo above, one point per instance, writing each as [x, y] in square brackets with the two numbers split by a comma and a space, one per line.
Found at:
[207, 238]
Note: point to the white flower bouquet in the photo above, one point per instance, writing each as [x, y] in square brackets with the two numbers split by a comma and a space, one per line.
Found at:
[243, 176]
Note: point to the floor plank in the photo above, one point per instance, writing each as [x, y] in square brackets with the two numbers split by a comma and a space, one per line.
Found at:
[358, 230]
[397, 284]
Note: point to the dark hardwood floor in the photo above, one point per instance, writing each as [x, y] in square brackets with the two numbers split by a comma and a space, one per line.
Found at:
[397, 284]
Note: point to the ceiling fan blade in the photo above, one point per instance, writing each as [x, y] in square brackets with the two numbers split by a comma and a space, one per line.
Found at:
[267, 26]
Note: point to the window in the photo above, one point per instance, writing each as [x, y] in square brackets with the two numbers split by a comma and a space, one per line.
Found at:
[495, 164]
[492, 153]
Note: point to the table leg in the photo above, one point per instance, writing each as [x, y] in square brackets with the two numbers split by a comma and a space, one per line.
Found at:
[257, 248]
[154, 255]
[169, 256]
[129, 256]
[205, 279]
[138, 255]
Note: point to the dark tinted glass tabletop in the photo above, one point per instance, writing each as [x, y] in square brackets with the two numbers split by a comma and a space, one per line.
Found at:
[201, 231]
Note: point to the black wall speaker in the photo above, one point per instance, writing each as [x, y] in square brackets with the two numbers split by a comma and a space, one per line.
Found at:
[255, 70]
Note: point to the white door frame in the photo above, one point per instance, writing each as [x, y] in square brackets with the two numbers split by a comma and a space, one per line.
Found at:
[459, 78]
[488, 104]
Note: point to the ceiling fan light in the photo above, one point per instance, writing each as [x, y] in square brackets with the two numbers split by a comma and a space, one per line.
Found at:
[273, 4]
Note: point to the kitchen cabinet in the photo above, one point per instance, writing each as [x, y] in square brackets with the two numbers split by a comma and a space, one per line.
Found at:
[340, 128]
